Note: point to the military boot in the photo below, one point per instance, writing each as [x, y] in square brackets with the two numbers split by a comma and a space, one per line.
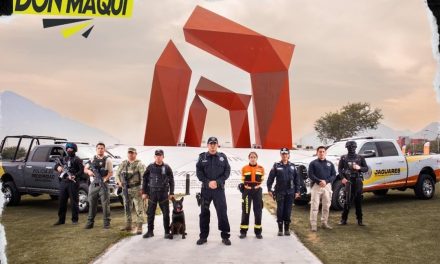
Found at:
[138, 230]
[280, 228]
[127, 227]
[286, 229]
[148, 234]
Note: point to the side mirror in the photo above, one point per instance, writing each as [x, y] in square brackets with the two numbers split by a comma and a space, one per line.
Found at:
[53, 158]
[369, 153]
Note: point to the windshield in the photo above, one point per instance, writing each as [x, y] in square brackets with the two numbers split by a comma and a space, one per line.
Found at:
[338, 149]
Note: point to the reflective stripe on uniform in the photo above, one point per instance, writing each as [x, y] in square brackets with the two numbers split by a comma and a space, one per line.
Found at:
[257, 226]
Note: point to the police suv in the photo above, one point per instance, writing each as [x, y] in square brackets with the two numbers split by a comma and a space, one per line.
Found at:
[27, 167]
[388, 169]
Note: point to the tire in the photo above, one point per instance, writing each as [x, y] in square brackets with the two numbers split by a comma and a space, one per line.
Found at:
[338, 197]
[83, 194]
[11, 194]
[382, 192]
[53, 197]
[425, 187]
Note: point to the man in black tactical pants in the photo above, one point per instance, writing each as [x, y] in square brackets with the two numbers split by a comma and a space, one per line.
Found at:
[69, 183]
[213, 170]
[158, 180]
[351, 167]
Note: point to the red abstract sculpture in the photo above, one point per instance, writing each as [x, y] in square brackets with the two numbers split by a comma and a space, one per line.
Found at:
[168, 98]
[266, 59]
[236, 104]
[195, 123]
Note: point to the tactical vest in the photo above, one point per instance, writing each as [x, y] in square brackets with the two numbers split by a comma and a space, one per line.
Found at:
[284, 181]
[133, 176]
[159, 179]
[99, 163]
[347, 160]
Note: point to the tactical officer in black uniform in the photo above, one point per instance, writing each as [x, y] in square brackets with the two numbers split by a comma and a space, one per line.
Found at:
[213, 170]
[286, 189]
[158, 179]
[351, 167]
[69, 183]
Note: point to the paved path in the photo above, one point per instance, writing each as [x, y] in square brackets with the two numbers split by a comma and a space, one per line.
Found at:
[157, 250]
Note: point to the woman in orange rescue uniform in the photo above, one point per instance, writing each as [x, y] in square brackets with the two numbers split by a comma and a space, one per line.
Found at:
[252, 175]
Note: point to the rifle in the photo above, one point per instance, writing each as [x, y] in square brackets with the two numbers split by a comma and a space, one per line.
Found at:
[65, 174]
[99, 175]
[347, 195]
[124, 182]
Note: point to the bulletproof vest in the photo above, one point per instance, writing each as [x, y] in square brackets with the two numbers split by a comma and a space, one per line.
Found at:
[132, 176]
[282, 176]
[349, 159]
[69, 162]
[158, 177]
[99, 163]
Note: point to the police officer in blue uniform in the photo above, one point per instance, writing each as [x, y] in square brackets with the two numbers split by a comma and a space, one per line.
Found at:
[286, 189]
[158, 187]
[213, 170]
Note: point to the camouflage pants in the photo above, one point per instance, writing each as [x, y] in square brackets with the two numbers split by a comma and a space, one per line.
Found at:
[134, 197]
[95, 192]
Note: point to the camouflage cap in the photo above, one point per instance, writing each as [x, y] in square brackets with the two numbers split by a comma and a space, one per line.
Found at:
[132, 150]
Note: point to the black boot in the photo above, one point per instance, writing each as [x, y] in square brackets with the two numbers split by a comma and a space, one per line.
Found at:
[148, 234]
[286, 229]
[280, 228]
[343, 222]
[360, 222]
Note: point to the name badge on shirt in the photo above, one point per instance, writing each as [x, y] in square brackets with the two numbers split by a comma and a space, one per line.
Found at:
[329, 164]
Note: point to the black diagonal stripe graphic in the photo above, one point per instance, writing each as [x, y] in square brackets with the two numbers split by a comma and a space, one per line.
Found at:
[54, 22]
[87, 33]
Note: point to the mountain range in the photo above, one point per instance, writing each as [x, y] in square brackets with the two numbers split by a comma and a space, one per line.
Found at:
[20, 116]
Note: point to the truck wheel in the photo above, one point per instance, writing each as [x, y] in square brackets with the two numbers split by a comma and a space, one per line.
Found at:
[338, 197]
[11, 194]
[381, 192]
[425, 187]
[83, 194]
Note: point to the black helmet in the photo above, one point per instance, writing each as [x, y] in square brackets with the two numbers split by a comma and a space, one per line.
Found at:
[351, 144]
[72, 146]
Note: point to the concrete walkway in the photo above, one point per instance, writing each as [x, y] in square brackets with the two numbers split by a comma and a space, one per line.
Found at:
[270, 249]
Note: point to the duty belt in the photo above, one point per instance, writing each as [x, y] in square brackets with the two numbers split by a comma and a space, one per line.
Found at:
[133, 185]
[158, 189]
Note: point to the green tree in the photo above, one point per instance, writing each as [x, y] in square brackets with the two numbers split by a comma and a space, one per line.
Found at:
[347, 122]
[9, 152]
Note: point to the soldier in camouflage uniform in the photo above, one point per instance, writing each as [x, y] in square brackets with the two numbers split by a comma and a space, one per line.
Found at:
[133, 169]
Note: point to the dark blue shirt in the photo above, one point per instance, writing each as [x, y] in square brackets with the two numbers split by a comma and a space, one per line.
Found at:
[321, 170]
[287, 179]
[213, 167]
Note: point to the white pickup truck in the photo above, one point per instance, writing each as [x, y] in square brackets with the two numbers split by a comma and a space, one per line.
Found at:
[388, 169]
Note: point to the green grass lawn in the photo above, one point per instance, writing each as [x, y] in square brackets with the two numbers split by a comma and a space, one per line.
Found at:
[400, 229]
[32, 238]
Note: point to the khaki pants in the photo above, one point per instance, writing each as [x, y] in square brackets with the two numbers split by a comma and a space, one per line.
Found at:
[135, 197]
[319, 193]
